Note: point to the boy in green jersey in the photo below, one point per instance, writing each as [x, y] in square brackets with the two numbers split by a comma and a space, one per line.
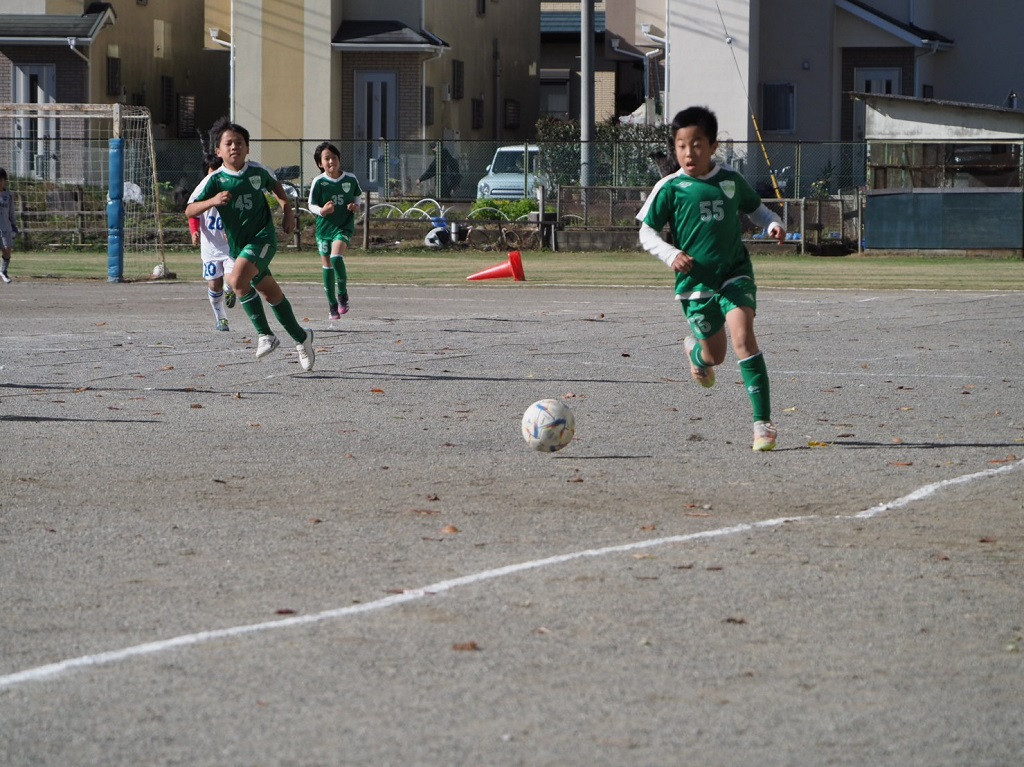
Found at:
[334, 198]
[238, 190]
[702, 203]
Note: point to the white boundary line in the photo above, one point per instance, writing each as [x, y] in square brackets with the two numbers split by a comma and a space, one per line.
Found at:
[934, 487]
[42, 673]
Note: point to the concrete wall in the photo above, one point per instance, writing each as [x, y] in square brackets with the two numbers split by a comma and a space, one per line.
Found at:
[706, 69]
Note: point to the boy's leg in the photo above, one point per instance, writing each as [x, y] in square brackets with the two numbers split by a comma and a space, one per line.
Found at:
[241, 280]
[701, 371]
[217, 302]
[282, 307]
[271, 291]
[706, 344]
[324, 246]
[755, 374]
[229, 294]
[5, 263]
[338, 248]
[214, 272]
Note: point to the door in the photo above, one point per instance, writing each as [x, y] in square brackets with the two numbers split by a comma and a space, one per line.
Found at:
[35, 145]
[376, 100]
[872, 80]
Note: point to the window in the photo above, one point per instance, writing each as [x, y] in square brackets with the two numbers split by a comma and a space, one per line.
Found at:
[167, 99]
[554, 92]
[778, 107]
[161, 39]
[478, 114]
[512, 113]
[113, 76]
[458, 79]
[428, 105]
[186, 114]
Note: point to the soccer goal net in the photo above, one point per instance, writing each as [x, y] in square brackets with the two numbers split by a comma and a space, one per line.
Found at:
[83, 177]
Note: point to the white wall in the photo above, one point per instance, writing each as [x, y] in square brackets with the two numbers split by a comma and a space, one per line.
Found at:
[705, 69]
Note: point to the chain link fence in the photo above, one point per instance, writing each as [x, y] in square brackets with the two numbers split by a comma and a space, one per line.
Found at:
[432, 179]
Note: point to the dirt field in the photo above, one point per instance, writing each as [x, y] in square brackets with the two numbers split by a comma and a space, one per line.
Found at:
[209, 560]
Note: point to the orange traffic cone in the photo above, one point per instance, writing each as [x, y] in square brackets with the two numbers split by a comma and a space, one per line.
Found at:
[511, 268]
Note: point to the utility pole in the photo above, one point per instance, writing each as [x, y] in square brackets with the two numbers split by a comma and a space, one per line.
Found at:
[586, 88]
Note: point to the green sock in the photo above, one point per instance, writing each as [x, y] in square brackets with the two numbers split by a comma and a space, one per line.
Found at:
[332, 297]
[755, 377]
[285, 315]
[696, 358]
[254, 308]
[338, 262]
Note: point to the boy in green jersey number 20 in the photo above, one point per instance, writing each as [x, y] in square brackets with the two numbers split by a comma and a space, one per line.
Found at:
[701, 203]
[238, 191]
[334, 198]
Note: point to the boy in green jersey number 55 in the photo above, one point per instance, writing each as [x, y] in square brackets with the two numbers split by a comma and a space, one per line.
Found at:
[238, 190]
[701, 203]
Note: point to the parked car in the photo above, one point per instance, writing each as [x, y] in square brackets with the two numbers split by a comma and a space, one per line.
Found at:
[506, 177]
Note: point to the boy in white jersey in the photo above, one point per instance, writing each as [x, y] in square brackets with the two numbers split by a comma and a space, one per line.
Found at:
[334, 198]
[237, 189]
[8, 229]
[208, 233]
[702, 203]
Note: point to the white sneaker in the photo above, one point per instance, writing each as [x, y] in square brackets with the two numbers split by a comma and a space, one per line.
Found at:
[704, 376]
[764, 436]
[306, 354]
[266, 345]
[4, 277]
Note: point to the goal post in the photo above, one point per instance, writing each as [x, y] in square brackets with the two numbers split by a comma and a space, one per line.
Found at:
[84, 177]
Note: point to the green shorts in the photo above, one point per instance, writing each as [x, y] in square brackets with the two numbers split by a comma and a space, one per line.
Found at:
[325, 245]
[261, 252]
[707, 315]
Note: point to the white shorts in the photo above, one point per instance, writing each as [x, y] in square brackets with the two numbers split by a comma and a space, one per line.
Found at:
[213, 270]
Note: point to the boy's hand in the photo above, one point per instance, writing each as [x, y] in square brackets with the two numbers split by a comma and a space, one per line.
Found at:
[221, 198]
[354, 207]
[289, 220]
[328, 209]
[777, 233]
[682, 263]
[195, 239]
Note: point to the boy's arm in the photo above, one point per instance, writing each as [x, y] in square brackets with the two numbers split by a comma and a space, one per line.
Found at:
[653, 243]
[199, 207]
[193, 228]
[311, 206]
[766, 218]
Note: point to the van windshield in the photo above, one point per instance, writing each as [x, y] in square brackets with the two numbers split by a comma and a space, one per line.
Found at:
[512, 162]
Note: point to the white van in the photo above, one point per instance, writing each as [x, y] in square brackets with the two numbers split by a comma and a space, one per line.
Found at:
[506, 178]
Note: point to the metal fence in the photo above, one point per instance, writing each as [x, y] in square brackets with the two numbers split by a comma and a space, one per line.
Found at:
[402, 169]
[401, 173]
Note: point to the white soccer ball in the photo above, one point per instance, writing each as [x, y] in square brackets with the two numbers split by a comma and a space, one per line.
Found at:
[548, 425]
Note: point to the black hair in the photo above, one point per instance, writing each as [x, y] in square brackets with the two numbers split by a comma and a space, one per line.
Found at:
[3, 172]
[223, 125]
[319, 152]
[211, 162]
[699, 117]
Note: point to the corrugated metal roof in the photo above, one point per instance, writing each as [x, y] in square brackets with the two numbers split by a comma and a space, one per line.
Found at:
[568, 22]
